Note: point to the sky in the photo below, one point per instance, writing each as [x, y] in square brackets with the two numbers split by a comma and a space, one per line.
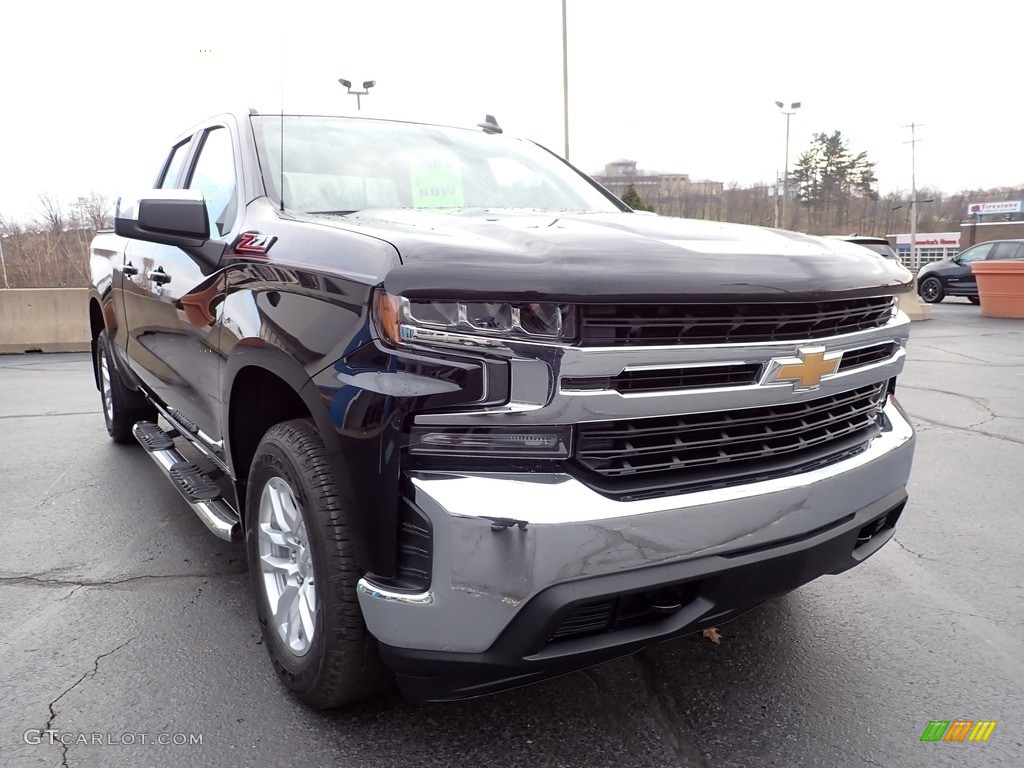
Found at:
[93, 93]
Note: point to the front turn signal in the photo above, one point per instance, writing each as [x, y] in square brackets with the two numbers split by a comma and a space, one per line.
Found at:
[386, 315]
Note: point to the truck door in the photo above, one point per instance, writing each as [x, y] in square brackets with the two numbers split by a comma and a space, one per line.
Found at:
[173, 310]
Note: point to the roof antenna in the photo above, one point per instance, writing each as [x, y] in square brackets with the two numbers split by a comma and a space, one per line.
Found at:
[490, 125]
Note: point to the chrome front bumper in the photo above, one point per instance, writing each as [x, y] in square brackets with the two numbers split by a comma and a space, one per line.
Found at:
[483, 574]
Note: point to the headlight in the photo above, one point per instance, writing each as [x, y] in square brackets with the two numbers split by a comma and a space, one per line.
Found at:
[471, 323]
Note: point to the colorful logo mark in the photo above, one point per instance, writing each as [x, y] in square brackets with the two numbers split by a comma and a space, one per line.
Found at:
[805, 371]
[958, 730]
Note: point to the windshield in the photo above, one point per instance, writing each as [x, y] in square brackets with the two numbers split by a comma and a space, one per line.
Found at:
[343, 165]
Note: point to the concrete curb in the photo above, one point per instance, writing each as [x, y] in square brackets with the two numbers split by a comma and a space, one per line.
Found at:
[914, 307]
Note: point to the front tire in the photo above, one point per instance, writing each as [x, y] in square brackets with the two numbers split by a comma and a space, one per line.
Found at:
[931, 290]
[304, 572]
[121, 406]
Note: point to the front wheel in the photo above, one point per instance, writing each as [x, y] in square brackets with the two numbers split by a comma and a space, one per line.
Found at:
[304, 572]
[931, 290]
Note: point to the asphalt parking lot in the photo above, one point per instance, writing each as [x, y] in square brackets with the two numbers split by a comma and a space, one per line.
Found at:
[124, 622]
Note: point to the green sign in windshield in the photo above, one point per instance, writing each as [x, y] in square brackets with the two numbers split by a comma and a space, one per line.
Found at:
[436, 183]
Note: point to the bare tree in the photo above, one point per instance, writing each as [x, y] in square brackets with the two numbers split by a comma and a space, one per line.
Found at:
[51, 214]
[93, 211]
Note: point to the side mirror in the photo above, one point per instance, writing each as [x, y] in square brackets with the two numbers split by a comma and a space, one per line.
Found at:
[174, 217]
[167, 216]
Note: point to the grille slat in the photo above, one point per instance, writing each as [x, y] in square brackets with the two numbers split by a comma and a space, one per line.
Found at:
[648, 324]
[717, 420]
[856, 358]
[681, 449]
[669, 379]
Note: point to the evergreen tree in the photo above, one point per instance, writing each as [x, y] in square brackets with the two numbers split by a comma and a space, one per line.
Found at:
[632, 198]
[828, 176]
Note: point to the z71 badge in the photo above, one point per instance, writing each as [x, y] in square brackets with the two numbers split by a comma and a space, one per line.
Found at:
[254, 243]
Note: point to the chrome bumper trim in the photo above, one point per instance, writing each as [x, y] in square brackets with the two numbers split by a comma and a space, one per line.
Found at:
[368, 588]
[482, 576]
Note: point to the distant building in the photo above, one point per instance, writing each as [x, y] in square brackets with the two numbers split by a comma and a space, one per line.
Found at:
[671, 193]
[935, 246]
[619, 174]
[975, 232]
[931, 246]
[993, 220]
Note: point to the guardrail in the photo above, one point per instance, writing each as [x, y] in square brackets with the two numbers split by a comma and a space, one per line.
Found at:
[44, 320]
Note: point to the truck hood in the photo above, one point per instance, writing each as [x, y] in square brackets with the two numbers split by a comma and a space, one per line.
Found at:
[608, 257]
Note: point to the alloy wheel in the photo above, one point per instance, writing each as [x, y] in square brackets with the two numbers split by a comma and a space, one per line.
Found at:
[107, 388]
[930, 290]
[286, 563]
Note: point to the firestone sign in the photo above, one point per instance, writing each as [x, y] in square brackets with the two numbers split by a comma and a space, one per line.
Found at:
[1008, 206]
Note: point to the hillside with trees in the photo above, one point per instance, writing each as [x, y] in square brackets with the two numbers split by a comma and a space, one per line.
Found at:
[832, 190]
[52, 249]
[867, 215]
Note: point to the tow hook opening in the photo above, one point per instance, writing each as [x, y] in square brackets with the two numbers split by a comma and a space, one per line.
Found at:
[877, 532]
[631, 609]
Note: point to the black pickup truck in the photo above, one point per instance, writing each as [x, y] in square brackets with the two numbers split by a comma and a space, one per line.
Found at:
[478, 422]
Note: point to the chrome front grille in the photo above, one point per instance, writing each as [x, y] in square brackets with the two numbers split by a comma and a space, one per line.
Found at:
[712, 449]
[672, 324]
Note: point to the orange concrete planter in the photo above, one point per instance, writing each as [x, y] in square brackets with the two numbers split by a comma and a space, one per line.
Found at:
[1001, 287]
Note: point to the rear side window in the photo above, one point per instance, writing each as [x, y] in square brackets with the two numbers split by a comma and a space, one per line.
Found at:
[171, 175]
[1007, 251]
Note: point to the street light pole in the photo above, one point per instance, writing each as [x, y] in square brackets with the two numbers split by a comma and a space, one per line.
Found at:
[565, 80]
[793, 107]
[367, 85]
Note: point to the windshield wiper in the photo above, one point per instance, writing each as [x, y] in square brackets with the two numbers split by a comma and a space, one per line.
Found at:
[332, 213]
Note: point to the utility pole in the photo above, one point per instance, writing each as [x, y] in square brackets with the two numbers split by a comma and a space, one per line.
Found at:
[913, 191]
[565, 80]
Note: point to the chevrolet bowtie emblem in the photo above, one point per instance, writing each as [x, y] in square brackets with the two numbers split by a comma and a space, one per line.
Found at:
[805, 371]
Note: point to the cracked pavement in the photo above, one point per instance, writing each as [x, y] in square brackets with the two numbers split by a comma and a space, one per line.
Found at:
[121, 615]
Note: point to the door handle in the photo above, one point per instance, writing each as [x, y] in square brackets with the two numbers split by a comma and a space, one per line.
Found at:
[129, 270]
[159, 276]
